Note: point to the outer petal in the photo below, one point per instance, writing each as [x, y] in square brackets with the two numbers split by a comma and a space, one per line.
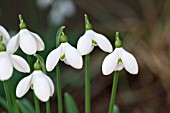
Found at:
[73, 57]
[23, 86]
[41, 86]
[51, 85]
[27, 42]
[129, 62]
[5, 66]
[53, 58]
[5, 34]
[110, 63]
[13, 44]
[19, 63]
[103, 42]
[84, 44]
[39, 41]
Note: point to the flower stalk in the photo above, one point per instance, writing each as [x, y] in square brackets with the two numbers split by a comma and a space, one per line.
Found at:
[37, 105]
[87, 84]
[113, 95]
[8, 96]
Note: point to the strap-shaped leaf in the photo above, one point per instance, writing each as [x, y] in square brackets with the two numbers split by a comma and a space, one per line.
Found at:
[70, 104]
[25, 106]
[58, 35]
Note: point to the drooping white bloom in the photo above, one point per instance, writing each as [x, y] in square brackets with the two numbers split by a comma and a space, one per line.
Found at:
[28, 41]
[118, 60]
[66, 53]
[4, 34]
[90, 39]
[9, 61]
[41, 84]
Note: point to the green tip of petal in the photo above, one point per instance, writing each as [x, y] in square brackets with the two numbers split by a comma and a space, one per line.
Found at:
[118, 42]
[22, 24]
[2, 45]
[63, 38]
[88, 25]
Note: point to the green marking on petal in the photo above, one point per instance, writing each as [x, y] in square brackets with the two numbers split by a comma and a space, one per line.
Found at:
[94, 42]
[119, 61]
[62, 57]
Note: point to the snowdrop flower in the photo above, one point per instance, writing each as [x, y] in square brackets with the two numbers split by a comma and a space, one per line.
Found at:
[90, 39]
[9, 61]
[41, 84]
[28, 41]
[119, 59]
[65, 52]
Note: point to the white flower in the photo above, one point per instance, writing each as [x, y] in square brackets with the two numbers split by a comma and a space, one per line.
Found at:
[66, 53]
[41, 84]
[90, 39]
[4, 34]
[119, 59]
[9, 61]
[27, 40]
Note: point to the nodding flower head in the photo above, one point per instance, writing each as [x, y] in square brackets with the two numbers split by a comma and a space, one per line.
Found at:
[41, 84]
[28, 41]
[90, 39]
[65, 52]
[119, 59]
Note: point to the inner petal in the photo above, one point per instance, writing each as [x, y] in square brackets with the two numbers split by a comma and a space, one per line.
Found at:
[62, 57]
[94, 42]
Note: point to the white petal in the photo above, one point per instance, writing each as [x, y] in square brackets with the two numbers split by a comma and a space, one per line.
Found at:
[129, 62]
[41, 86]
[51, 85]
[110, 63]
[23, 86]
[13, 44]
[119, 67]
[84, 44]
[6, 68]
[103, 42]
[20, 64]
[27, 42]
[39, 41]
[73, 57]
[4, 34]
[53, 58]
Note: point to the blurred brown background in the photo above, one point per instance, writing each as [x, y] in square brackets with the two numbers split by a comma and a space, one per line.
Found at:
[145, 32]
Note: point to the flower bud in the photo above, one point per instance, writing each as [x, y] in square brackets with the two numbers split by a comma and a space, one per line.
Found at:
[118, 42]
[37, 65]
[88, 25]
[22, 24]
[63, 38]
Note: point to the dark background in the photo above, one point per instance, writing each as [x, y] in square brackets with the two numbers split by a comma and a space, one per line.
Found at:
[145, 32]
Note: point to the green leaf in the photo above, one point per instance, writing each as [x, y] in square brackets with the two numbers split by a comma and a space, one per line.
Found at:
[70, 104]
[58, 35]
[3, 103]
[116, 109]
[42, 63]
[25, 106]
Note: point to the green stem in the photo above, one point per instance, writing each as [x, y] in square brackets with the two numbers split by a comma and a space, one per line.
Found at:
[87, 84]
[113, 95]
[8, 96]
[48, 106]
[13, 98]
[60, 110]
[36, 102]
